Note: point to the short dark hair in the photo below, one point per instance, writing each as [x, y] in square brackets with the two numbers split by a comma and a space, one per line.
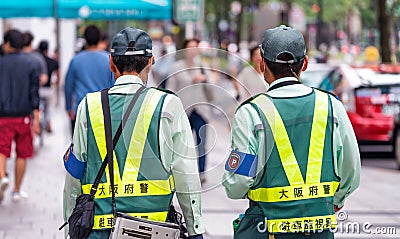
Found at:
[28, 38]
[280, 70]
[186, 42]
[43, 46]
[15, 38]
[92, 35]
[104, 36]
[130, 63]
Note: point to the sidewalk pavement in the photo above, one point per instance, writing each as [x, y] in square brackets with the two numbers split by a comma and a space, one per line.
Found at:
[376, 202]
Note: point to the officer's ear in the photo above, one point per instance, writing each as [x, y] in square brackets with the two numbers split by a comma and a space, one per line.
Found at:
[151, 60]
[262, 65]
[305, 63]
[113, 68]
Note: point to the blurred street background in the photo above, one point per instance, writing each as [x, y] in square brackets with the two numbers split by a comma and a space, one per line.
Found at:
[354, 52]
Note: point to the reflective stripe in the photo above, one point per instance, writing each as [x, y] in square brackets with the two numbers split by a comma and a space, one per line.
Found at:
[106, 221]
[128, 189]
[281, 138]
[317, 139]
[293, 193]
[97, 121]
[304, 224]
[135, 150]
[139, 135]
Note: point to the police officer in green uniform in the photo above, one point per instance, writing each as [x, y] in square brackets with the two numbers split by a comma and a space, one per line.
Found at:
[294, 152]
[154, 157]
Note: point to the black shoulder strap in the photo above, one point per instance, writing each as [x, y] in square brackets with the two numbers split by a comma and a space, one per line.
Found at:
[284, 83]
[109, 142]
[328, 92]
[107, 128]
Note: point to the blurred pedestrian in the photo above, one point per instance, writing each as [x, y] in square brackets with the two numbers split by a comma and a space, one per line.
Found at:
[159, 158]
[19, 98]
[161, 69]
[294, 152]
[103, 42]
[251, 78]
[36, 56]
[46, 92]
[190, 82]
[88, 72]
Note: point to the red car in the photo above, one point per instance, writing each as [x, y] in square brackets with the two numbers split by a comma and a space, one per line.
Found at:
[371, 96]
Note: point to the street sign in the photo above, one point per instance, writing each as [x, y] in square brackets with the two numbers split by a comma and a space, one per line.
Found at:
[188, 10]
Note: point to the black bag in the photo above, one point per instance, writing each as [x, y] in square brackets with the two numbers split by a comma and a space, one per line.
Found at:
[81, 220]
[176, 218]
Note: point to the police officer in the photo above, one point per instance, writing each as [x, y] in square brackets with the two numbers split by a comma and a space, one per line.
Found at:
[294, 152]
[154, 156]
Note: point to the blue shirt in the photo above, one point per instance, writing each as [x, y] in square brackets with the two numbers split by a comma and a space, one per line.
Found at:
[89, 71]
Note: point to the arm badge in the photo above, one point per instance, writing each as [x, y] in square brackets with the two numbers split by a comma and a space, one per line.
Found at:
[242, 163]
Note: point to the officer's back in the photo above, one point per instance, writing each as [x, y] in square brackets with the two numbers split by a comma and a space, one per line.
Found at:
[288, 148]
[154, 156]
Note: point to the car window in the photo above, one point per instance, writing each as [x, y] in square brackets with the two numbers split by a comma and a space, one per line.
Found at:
[313, 78]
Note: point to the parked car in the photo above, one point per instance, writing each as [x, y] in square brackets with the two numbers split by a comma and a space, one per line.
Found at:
[371, 96]
[315, 74]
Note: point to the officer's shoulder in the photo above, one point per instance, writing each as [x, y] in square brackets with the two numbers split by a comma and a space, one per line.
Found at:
[249, 100]
[328, 92]
[162, 90]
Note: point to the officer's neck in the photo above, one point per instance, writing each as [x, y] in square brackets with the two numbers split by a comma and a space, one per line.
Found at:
[142, 77]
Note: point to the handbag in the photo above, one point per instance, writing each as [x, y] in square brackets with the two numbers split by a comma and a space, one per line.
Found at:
[81, 220]
[126, 226]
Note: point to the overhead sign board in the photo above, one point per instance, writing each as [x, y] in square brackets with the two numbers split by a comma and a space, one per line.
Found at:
[88, 9]
[188, 10]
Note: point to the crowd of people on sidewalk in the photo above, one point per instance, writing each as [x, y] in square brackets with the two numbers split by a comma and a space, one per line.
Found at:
[24, 73]
[298, 183]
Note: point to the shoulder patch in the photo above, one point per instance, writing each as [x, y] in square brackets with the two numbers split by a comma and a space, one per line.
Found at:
[242, 163]
[73, 165]
[328, 92]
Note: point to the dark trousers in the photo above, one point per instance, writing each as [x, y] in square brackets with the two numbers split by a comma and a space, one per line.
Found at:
[197, 122]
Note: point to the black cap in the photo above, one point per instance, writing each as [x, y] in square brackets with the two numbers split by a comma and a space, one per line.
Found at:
[281, 40]
[131, 42]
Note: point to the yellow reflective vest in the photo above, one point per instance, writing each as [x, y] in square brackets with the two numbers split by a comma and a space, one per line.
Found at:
[143, 187]
[299, 182]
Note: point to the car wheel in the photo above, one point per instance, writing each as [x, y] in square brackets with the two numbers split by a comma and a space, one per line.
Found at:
[397, 148]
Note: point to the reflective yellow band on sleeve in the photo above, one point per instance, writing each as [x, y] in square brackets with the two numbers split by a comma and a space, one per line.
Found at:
[293, 193]
[282, 141]
[304, 224]
[134, 188]
[317, 140]
[107, 221]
